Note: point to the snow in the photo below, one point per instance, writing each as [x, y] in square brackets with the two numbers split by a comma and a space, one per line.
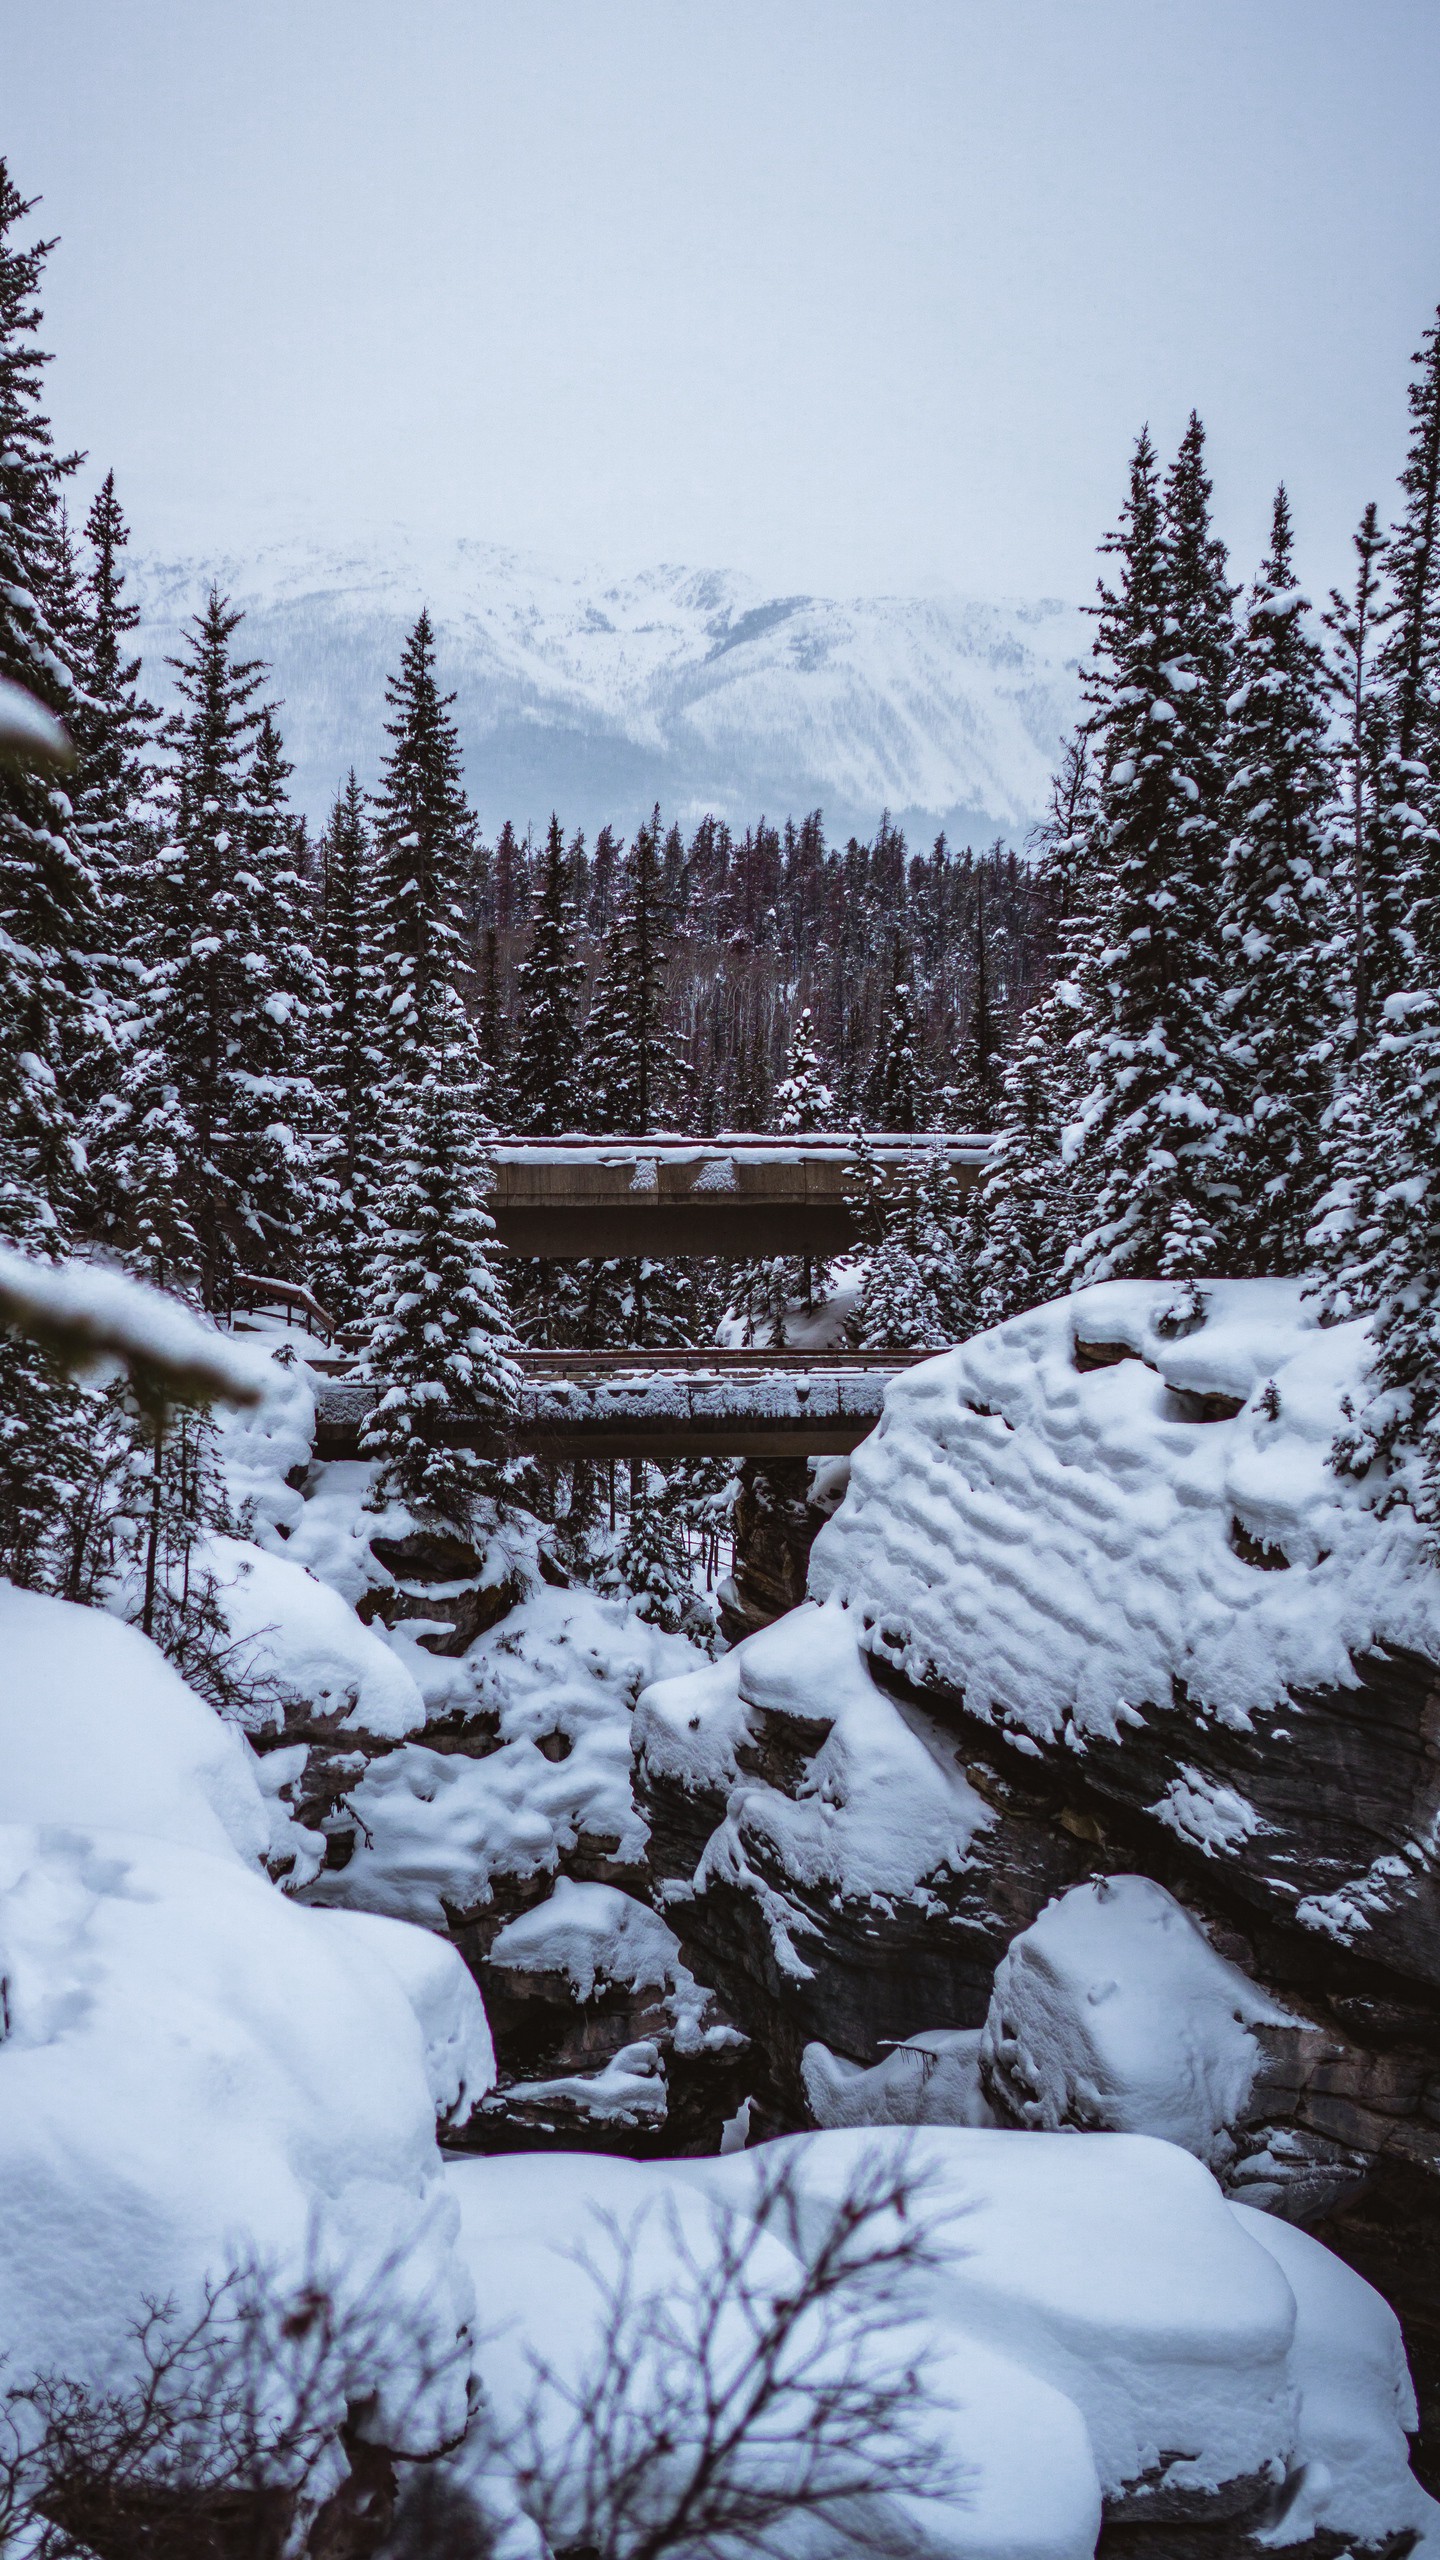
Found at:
[883, 1805]
[526, 2221]
[95, 1727]
[1357, 2404]
[592, 1934]
[1110, 2268]
[307, 1645]
[196, 2073]
[102, 1315]
[29, 730]
[932, 2078]
[1095, 2320]
[439, 1826]
[438, 1984]
[1114, 2011]
[1060, 1544]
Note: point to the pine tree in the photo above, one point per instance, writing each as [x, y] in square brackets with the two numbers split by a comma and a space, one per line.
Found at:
[1019, 1230]
[115, 729]
[898, 1309]
[1280, 1019]
[893, 1091]
[50, 921]
[276, 1111]
[1356, 622]
[1379, 1231]
[423, 837]
[441, 1338]
[1149, 1120]
[350, 1063]
[804, 1102]
[631, 1063]
[544, 1092]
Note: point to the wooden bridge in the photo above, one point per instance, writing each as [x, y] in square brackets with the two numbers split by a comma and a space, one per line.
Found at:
[562, 1198]
[665, 1404]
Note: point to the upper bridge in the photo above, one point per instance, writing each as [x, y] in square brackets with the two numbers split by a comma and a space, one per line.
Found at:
[664, 1404]
[739, 1195]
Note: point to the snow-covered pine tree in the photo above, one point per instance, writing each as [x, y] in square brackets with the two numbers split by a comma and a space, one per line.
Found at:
[1378, 1234]
[276, 1115]
[1356, 622]
[1155, 1096]
[1409, 671]
[631, 1065]
[982, 1055]
[804, 1102]
[544, 1083]
[423, 837]
[441, 1339]
[51, 924]
[898, 1310]
[1282, 1024]
[764, 1288]
[348, 1063]
[893, 1091]
[115, 726]
[1022, 1220]
[50, 919]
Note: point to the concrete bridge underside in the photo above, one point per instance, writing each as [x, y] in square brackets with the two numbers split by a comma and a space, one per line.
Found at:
[663, 1404]
[564, 1198]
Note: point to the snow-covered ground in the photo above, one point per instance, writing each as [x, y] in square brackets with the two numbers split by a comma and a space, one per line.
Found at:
[598, 695]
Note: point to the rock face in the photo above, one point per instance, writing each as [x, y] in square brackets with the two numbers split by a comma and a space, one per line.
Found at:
[778, 1516]
[1099, 1564]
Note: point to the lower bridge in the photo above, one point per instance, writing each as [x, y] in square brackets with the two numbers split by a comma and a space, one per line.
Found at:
[663, 1404]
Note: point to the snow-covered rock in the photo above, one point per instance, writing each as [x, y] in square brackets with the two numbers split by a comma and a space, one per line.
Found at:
[932, 2078]
[883, 1809]
[1113, 2012]
[317, 1669]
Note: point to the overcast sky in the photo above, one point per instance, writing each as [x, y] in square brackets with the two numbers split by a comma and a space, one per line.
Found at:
[851, 294]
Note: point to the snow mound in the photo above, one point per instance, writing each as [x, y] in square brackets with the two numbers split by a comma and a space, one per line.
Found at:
[307, 1648]
[526, 2221]
[932, 2078]
[441, 1990]
[1113, 2011]
[1094, 1506]
[197, 2071]
[878, 1808]
[1097, 2332]
[1351, 2468]
[592, 1934]
[96, 1727]
[1111, 2269]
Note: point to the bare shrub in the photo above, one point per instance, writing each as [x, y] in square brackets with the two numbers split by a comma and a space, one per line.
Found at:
[722, 2415]
[231, 2435]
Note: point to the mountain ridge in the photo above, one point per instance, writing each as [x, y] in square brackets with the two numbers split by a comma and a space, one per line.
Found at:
[598, 694]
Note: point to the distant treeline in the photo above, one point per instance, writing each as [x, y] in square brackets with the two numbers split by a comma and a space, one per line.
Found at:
[753, 929]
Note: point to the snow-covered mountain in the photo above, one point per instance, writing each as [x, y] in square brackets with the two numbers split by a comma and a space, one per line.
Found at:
[598, 695]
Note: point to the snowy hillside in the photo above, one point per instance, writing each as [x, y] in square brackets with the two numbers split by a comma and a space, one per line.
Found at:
[599, 696]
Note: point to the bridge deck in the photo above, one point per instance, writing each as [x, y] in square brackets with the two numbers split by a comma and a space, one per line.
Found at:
[666, 1404]
[560, 1198]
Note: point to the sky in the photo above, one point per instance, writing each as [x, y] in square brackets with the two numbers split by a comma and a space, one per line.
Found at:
[855, 296]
